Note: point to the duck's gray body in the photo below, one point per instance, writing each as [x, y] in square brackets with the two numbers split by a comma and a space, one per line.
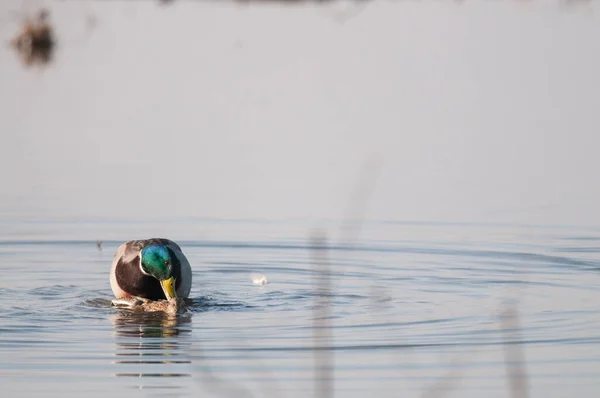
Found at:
[128, 281]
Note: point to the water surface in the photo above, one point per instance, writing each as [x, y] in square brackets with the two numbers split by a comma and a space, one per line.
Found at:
[413, 308]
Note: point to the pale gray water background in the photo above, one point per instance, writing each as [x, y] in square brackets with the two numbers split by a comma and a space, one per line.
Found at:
[236, 130]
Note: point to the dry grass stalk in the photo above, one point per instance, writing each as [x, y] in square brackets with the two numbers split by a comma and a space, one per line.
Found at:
[514, 356]
[322, 337]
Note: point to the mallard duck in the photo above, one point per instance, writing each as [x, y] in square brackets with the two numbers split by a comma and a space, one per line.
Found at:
[150, 269]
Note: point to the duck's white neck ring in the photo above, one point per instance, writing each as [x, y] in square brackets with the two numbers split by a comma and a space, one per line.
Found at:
[142, 268]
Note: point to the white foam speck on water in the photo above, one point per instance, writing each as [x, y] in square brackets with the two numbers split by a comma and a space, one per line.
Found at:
[258, 279]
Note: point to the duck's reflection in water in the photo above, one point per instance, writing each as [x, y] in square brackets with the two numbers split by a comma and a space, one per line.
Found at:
[152, 345]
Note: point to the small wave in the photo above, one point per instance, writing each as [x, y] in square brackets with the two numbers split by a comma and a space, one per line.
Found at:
[53, 291]
[408, 346]
[97, 303]
[209, 303]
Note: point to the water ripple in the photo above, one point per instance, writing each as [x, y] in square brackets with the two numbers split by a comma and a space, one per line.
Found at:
[425, 300]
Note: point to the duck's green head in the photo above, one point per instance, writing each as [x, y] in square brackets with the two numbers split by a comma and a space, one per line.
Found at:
[157, 262]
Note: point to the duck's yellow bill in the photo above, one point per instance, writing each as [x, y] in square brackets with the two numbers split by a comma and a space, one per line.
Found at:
[168, 286]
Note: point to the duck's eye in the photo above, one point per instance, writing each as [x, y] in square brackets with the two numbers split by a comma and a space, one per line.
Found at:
[166, 262]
